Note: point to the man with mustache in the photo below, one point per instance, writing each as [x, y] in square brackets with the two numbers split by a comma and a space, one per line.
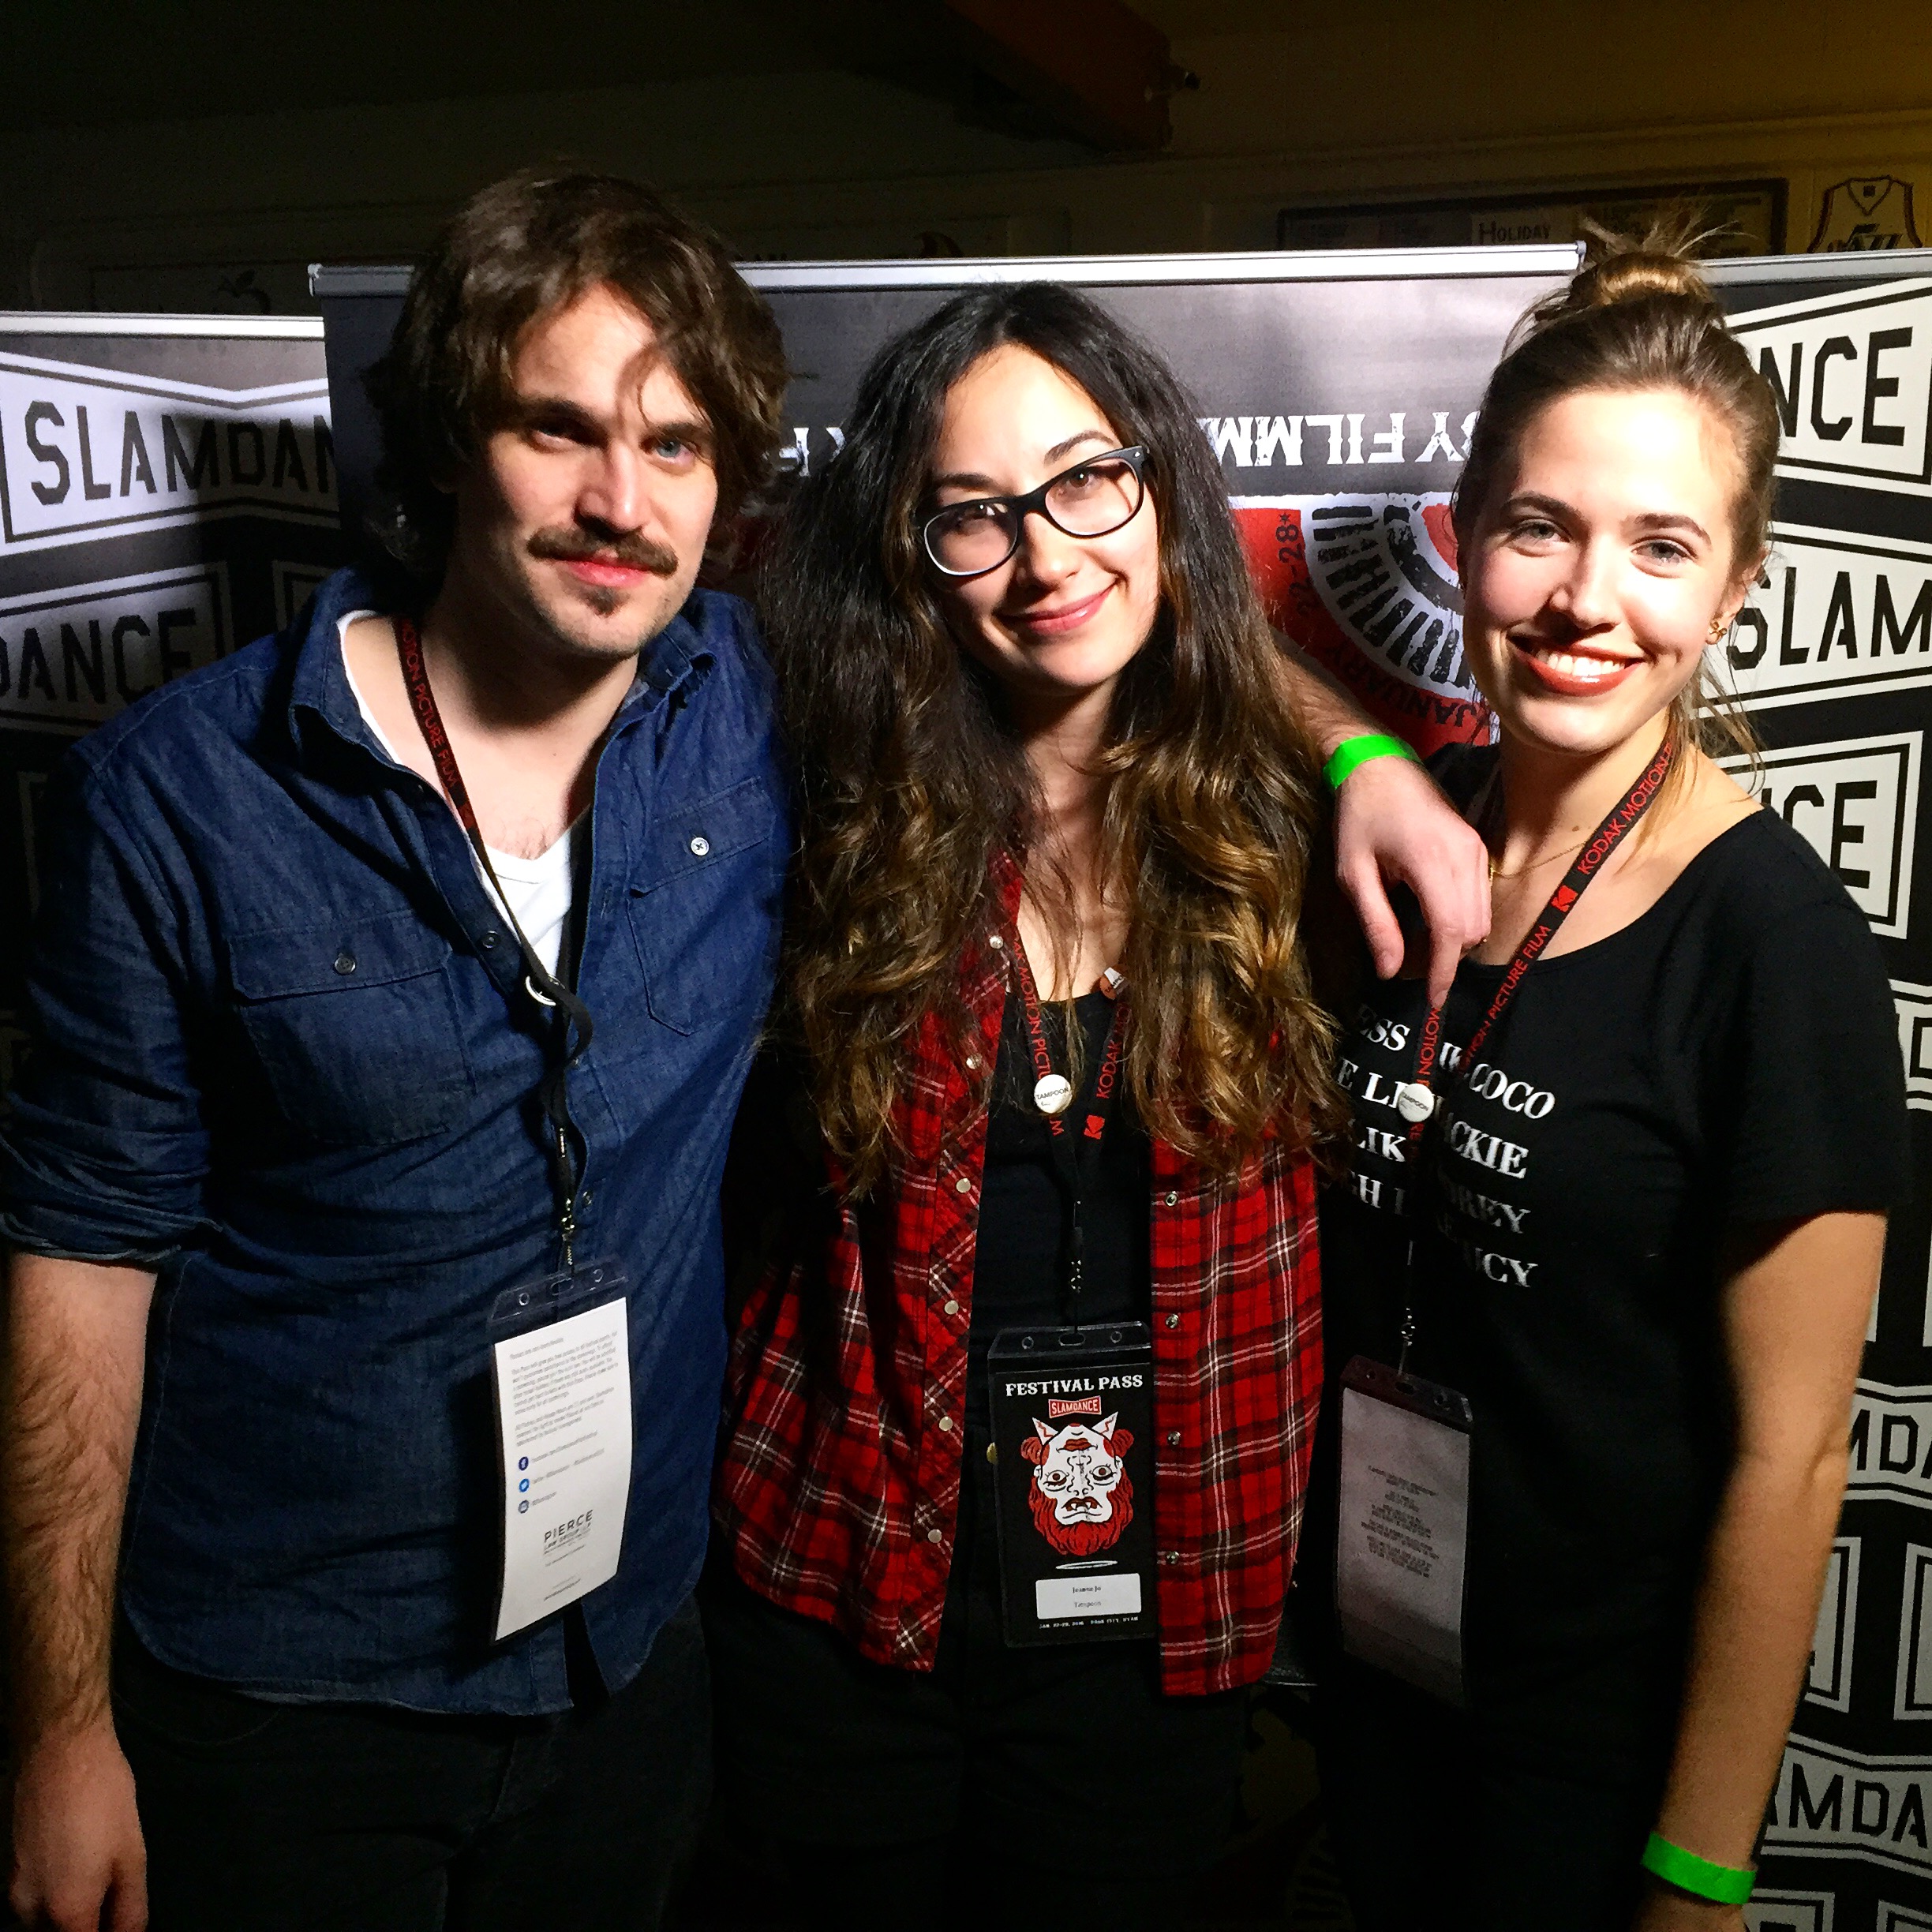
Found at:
[332, 1089]
[396, 982]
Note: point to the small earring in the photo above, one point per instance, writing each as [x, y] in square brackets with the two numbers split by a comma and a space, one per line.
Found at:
[1718, 627]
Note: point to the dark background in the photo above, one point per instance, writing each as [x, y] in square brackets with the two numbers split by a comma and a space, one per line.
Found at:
[198, 160]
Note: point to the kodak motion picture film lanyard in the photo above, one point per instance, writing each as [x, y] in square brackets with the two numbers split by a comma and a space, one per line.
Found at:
[1052, 1093]
[571, 1036]
[1072, 1409]
[1417, 1103]
[1402, 1527]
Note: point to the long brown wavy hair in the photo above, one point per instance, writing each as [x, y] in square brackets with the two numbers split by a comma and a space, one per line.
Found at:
[911, 779]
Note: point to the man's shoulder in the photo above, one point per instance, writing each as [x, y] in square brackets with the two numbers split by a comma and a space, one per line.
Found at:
[221, 701]
[176, 729]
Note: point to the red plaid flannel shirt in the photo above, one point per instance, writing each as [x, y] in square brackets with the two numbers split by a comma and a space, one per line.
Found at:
[838, 1488]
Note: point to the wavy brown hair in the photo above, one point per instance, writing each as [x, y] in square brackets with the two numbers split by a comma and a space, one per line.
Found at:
[912, 780]
[515, 252]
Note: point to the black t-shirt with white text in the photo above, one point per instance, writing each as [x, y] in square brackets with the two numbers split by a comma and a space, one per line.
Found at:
[1730, 1057]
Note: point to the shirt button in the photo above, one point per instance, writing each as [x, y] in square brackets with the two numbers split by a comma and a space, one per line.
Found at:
[1171, 1198]
[995, 941]
[951, 1307]
[345, 961]
[700, 846]
[489, 940]
[935, 1536]
[1170, 1557]
[993, 1453]
[972, 1062]
[962, 1186]
[1174, 1439]
[1173, 1321]
[945, 1425]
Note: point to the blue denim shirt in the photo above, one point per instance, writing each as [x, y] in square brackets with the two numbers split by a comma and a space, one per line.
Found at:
[335, 1171]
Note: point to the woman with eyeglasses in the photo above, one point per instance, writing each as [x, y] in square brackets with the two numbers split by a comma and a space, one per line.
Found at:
[1018, 1417]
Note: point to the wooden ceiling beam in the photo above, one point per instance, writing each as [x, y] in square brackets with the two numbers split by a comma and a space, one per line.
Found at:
[1094, 67]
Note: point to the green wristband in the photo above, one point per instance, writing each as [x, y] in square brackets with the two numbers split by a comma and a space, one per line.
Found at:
[1724, 1885]
[1358, 750]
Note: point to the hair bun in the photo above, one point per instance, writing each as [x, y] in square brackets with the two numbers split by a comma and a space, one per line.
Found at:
[1627, 274]
[1625, 268]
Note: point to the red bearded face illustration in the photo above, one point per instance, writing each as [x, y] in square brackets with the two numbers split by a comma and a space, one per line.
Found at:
[1082, 1499]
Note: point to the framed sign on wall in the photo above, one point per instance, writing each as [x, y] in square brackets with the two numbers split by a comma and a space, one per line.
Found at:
[1746, 218]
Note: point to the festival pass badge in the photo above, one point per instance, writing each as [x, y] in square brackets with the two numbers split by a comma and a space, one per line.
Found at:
[560, 1372]
[1402, 1538]
[1073, 1440]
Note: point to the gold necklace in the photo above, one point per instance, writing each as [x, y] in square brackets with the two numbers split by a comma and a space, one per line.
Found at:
[1536, 865]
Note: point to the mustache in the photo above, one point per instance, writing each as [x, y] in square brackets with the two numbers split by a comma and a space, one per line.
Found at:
[632, 551]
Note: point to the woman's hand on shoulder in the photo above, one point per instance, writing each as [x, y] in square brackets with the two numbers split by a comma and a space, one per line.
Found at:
[1393, 825]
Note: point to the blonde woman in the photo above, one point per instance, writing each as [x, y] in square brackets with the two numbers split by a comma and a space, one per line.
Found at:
[1624, 1197]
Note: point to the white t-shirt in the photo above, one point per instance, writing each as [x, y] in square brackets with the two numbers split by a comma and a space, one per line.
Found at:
[538, 890]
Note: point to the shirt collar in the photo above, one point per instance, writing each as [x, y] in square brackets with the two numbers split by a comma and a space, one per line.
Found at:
[318, 687]
[678, 658]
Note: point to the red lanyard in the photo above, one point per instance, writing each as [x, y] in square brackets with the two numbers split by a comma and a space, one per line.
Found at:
[1417, 1103]
[571, 1037]
[1066, 1151]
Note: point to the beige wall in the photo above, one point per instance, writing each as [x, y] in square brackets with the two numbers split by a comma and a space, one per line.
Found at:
[1348, 103]
[1369, 101]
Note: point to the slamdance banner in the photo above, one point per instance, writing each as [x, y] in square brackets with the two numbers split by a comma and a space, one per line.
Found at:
[167, 492]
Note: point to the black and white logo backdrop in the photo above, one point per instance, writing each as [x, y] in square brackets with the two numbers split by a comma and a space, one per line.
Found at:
[167, 490]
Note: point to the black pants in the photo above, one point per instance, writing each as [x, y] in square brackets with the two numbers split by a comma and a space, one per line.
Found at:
[1435, 1827]
[1002, 1788]
[262, 1817]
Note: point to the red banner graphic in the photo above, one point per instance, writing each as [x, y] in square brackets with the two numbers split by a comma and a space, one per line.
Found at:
[1366, 586]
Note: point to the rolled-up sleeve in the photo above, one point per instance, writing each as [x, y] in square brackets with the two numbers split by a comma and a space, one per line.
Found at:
[103, 1152]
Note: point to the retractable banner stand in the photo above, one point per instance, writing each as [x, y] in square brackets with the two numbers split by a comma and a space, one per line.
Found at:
[167, 491]
[168, 487]
[1833, 660]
